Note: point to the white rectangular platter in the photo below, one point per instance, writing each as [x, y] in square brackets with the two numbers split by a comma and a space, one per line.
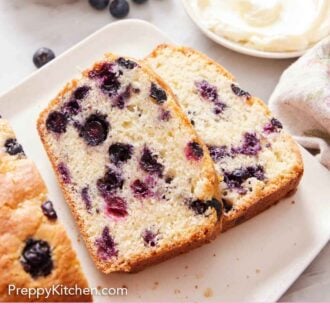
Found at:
[256, 261]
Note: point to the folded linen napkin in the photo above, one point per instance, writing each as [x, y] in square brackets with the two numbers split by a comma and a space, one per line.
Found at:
[301, 100]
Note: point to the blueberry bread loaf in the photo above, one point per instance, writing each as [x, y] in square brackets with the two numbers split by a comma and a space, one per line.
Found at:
[140, 183]
[258, 161]
[34, 249]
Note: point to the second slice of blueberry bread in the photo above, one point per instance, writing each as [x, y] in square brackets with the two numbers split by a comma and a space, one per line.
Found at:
[138, 180]
[259, 162]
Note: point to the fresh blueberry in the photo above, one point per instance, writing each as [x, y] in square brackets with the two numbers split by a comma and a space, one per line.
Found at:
[106, 246]
[36, 258]
[56, 122]
[81, 92]
[109, 183]
[48, 210]
[64, 172]
[86, 198]
[126, 63]
[120, 153]
[149, 163]
[116, 207]
[141, 189]
[218, 153]
[99, 4]
[119, 8]
[95, 130]
[194, 151]
[158, 94]
[42, 56]
[239, 92]
[13, 147]
[150, 238]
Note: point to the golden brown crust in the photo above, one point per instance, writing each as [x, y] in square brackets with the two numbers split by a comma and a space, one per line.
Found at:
[204, 235]
[275, 189]
[21, 195]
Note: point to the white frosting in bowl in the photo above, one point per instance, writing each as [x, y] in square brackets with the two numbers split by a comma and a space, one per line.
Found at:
[268, 25]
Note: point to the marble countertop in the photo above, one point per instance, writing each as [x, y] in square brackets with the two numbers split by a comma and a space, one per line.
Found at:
[26, 25]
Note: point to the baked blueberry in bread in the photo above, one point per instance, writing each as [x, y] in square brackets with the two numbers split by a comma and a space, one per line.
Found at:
[139, 181]
[35, 251]
[259, 162]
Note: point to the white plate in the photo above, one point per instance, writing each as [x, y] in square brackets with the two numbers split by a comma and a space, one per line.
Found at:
[256, 261]
[237, 47]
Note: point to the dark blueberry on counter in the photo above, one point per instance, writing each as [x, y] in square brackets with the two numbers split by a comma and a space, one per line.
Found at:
[194, 151]
[56, 122]
[126, 63]
[140, 1]
[239, 91]
[13, 147]
[106, 247]
[48, 210]
[158, 94]
[99, 4]
[36, 258]
[150, 238]
[95, 130]
[149, 163]
[120, 152]
[81, 92]
[119, 8]
[109, 183]
[42, 56]
[116, 207]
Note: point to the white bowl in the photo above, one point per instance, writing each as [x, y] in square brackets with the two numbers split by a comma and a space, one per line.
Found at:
[237, 47]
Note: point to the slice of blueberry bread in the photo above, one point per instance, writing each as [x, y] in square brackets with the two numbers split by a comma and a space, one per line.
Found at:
[35, 251]
[258, 161]
[139, 181]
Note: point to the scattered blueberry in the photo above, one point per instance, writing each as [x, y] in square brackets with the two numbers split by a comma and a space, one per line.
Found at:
[141, 189]
[109, 183]
[95, 130]
[42, 56]
[64, 172]
[56, 122]
[99, 4]
[150, 238]
[158, 94]
[48, 210]
[274, 126]
[13, 147]
[116, 207]
[207, 91]
[194, 151]
[86, 198]
[71, 108]
[36, 258]
[250, 146]
[218, 153]
[106, 247]
[239, 92]
[119, 8]
[120, 153]
[126, 63]
[150, 164]
[81, 92]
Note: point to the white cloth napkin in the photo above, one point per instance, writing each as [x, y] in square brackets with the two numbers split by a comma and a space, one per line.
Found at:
[301, 100]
